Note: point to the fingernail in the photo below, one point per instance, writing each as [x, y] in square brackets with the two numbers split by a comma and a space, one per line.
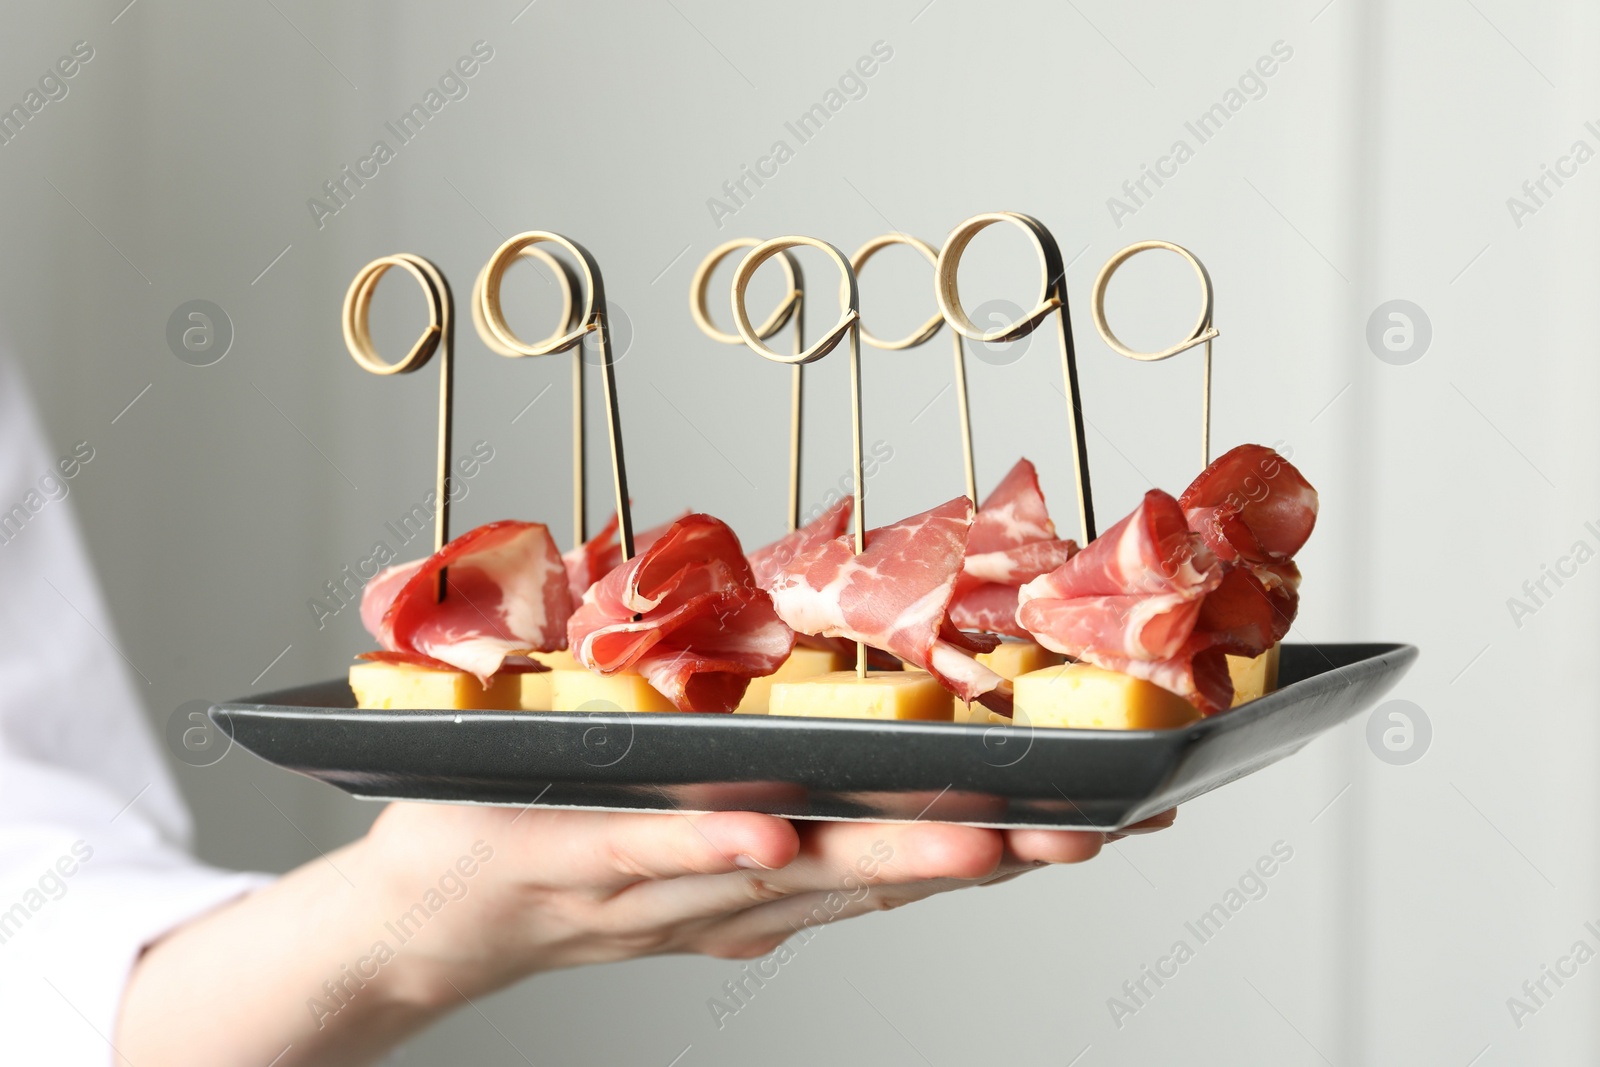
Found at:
[750, 864]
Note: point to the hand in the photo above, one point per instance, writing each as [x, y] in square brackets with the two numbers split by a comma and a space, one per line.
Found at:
[571, 888]
[345, 957]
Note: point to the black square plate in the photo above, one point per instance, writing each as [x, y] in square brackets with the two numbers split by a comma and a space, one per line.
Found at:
[807, 768]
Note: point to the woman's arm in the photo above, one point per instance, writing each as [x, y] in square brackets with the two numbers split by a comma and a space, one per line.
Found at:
[344, 958]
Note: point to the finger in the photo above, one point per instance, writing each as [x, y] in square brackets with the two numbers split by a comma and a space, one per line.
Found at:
[1152, 824]
[892, 853]
[760, 930]
[837, 857]
[1054, 846]
[1004, 878]
[609, 850]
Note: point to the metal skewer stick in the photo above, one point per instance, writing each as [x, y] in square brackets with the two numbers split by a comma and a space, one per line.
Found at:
[438, 335]
[792, 307]
[566, 324]
[1052, 301]
[923, 334]
[849, 324]
[1203, 332]
[591, 318]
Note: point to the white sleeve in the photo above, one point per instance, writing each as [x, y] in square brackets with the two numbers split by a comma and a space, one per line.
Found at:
[93, 863]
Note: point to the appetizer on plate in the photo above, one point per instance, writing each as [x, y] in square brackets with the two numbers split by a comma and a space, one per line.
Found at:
[682, 626]
[507, 601]
[1174, 612]
[811, 655]
[894, 596]
[1012, 542]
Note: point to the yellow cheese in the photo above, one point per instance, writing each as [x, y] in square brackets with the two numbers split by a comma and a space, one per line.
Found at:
[1088, 697]
[534, 691]
[584, 690]
[803, 662]
[1013, 658]
[1253, 677]
[563, 660]
[881, 695]
[403, 685]
[1009, 660]
[961, 711]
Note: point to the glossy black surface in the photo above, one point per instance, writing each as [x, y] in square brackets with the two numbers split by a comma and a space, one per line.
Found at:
[808, 768]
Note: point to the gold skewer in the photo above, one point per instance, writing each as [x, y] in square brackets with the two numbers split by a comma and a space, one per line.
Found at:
[566, 324]
[438, 335]
[849, 323]
[923, 334]
[1203, 332]
[791, 307]
[593, 317]
[1052, 300]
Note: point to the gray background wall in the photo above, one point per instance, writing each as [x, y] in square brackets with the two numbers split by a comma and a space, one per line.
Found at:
[1375, 166]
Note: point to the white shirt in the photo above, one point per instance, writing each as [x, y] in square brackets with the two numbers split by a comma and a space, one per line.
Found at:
[93, 832]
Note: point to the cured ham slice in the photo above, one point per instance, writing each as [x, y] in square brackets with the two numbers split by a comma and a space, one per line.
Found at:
[1013, 541]
[507, 595]
[685, 613]
[1251, 505]
[894, 596]
[768, 563]
[602, 553]
[1254, 509]
[1149, 598]
[1136, 589]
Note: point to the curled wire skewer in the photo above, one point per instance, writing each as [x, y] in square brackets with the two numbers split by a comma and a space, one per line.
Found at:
[565, 325]
[592, 317]
[849, 325]
[437, 336]
[921, 335]
[1052, 301]
[1203, 332]
[792, 307]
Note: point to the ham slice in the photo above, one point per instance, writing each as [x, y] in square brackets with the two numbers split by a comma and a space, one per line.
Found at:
[1173, 589]
[1255, 510]
[685, 613]
[894, 596]
[1013, 541]
[768, 563]
[602, 553]
[1131, 601]
[507, 595]
[1251, 505]
[1136, 588]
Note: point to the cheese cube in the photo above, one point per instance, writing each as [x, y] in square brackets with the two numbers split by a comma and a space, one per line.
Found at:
[880, 695]
[584, 690]
[1084, 696]
[1253, 677]
[1009, 659]
[533, 692]
[536, 692]
[405, 685]
[1013, 658]
[803, 662]
[563, 660]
